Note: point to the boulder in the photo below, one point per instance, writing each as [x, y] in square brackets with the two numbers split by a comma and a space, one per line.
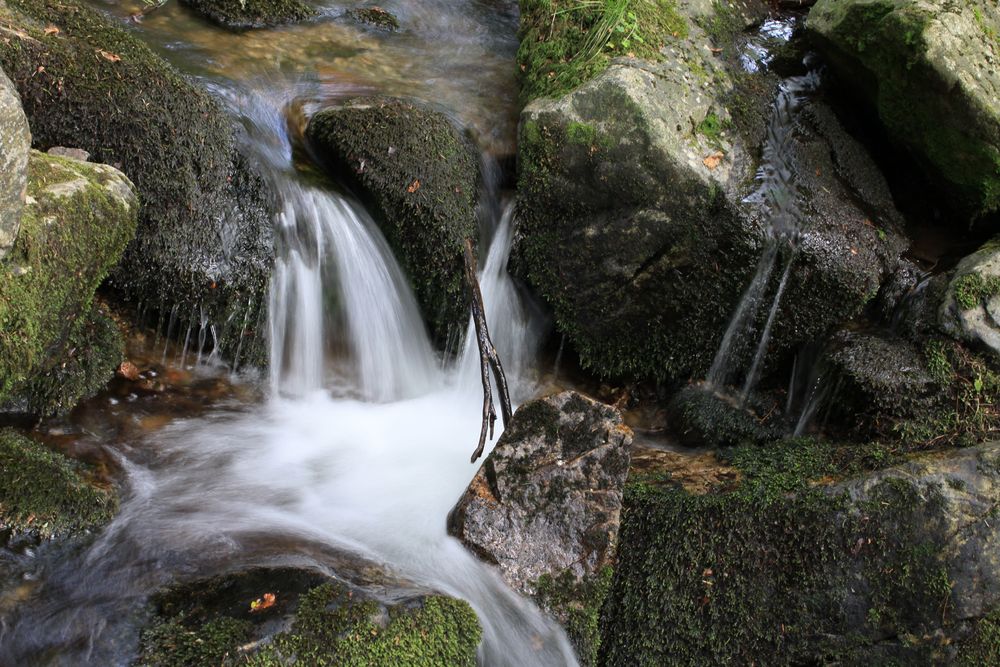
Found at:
[376, 17]
[545, 506]
[931, 68]
[700, 417]
[55, 346]
[420, 176]
[15, 140]
[242, 14]
[203, 251]
[970, 308]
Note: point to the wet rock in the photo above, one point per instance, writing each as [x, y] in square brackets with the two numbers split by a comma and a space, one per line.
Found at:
[295, 615]
[420, 175]
[930, 68]
[15, 140]
[204, 249]
[375, 17]
[58, 347]
[242, 14]
[970, 307]
[702, 418]
[545, 506]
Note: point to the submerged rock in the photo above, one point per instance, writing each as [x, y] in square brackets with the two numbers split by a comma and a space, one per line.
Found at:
[15, 140]
[420, 175]
[251, 13]
[930, 67]
[55, 346]
[970, 308]
[279, 616]
[545, 506]
[203, 250]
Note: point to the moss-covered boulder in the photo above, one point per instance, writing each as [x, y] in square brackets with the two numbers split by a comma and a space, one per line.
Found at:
[970, 308]
[420, 176]
[890, 568]
[376, 17]
[271, 617]
[43, 494]
[56, 347]
[241, 14]
[544, 507]
[15, 141]
[203, 250]
[702, 417]
[637, 221]
[930, 69]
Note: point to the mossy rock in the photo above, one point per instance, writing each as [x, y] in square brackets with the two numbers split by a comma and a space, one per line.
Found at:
[55, 346]
[15, 141]
[929, 68]
[421, 177]
[971, 303]
[203, 249]
[251, 13]
[375, 17]
[309, 619]
[44, 494]
[702, 418]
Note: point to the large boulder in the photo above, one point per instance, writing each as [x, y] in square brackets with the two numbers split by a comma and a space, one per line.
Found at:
[893, 567]
[970, 308]
[55, 346]
[930, 67]
[203, 251]
[242, 14]
[15, 140]
[634, 223]
[420, 175]
[545, 505]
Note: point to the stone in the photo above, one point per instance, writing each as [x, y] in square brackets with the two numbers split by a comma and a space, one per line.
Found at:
[243, 14]
[970, 307]
[15, 140]
[931, 69]
[376, 17]
[73, 153]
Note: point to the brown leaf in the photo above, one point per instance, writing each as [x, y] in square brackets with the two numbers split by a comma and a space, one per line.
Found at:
[110, 57]
[262, 603]
[129, 371]
[414, 186]
[51, 30]
[713, 160]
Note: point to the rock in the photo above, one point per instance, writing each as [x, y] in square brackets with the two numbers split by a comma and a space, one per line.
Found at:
[15, 140]
[375, 17]
[203, 251]
[420, 175]
[702, 418]
[545, 506]
[242, 14]
[43, 494]
[309, 617]
[970, 308]
[633, 224]
[930, 68]
[893, 567]
[57, 347]
[72, 153]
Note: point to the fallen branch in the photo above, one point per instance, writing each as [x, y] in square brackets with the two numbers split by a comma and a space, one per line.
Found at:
[488, 357]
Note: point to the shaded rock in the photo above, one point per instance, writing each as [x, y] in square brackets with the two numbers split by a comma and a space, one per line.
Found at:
[15, 140]
[420, 175]
[55, 346]
[702, 418]
[203, 250]
[375, 17]
[285, 615]
[545, 506]
[970, 307]
[930, 67]
[251, 13]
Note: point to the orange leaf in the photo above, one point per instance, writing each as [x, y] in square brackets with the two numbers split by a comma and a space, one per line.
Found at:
[51, 30]
[262, 603]
[414, 186]
[713, 160]
[107, 55]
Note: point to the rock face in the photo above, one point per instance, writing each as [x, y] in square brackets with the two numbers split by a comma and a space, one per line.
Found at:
[15, 140]
[421, 177]
[203, 250]
[251, 13]
[545, 505]
[930, 67]
[970, 308]
[56, 347]
[633, 223]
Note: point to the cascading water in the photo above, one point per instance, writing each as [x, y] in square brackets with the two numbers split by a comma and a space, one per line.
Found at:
[362, 449]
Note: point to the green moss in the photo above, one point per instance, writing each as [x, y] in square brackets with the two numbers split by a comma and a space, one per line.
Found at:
[171, 643]
[567, 42]
[251, 13]
[973, 289]
[983, 647]
[576, 604]
[711, 128]
[54, 348]
[43, 492]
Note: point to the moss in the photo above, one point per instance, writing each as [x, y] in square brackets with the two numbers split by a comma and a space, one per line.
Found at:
[170, 643]
[251, 13]
[54, 348]
[45, 493]
[983, 647]
[711, 128]
[567, 42]
[974, 289]
[377, 17]
[576, 604]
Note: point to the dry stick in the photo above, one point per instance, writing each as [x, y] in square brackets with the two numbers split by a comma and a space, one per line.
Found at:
[488, 357]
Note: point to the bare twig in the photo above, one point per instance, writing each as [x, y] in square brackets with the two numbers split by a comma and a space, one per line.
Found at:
[488, 357]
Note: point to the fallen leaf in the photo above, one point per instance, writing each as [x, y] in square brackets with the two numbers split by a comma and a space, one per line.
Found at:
[51, 30]
[110, 57]
[707, 572]
[414, 186]
[262, 603]
[129, 371]
[713, 160]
